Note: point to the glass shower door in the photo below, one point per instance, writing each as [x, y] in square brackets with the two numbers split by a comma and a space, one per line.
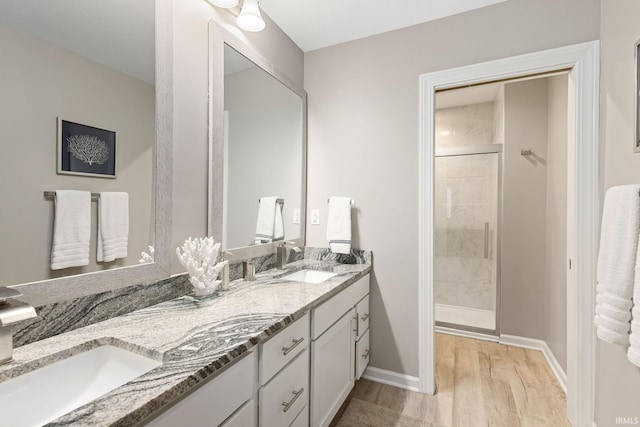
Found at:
[466, 270]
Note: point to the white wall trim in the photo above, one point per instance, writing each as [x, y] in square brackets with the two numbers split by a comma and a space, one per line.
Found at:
[395, 379]
[584, 61]
[466, 334]
[542, 346]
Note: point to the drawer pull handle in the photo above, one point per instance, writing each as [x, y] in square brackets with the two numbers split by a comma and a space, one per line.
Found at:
[287, 350]
[365, 317]
[366, 354]
[288, 404]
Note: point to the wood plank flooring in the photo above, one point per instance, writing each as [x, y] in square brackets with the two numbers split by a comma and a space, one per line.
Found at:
[479, 383]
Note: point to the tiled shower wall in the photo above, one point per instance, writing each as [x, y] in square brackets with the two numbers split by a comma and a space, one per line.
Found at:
[465, 198]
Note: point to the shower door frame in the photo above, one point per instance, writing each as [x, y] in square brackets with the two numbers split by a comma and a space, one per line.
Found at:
[470, 151]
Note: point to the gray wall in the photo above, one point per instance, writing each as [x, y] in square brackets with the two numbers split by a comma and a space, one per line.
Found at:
[265, 152]
[190, 146]
[618, 381]
[524, 208]
[555, 291]
[40, 81]
[363, 137]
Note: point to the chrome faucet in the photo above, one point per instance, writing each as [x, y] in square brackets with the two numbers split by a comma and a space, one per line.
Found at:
[281, 254]
[11, 311]
[224, 274]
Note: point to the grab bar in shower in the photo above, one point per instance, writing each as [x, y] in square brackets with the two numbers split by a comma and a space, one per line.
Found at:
[486, 240]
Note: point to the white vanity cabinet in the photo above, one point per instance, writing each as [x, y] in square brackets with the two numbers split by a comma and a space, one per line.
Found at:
[284, 377]
[334, 333]
[226, 400]
[363, 350]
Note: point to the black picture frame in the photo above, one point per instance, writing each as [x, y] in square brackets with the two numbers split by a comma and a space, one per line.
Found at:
[86, 150]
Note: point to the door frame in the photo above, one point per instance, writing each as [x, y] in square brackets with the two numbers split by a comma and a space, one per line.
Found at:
[582, 228]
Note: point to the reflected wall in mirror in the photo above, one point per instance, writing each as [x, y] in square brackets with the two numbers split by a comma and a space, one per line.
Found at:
[257, 146]
[91, 62]
[263, 149]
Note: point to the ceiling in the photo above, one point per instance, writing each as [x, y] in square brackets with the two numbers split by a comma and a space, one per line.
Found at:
[314, 24]
[119, 33]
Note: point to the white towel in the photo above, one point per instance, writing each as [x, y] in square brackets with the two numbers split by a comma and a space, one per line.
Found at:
[339, 225]
[278, 226]
[633, 353]
[270, 224]
[617, 262]
[71, 229]
[113, 226]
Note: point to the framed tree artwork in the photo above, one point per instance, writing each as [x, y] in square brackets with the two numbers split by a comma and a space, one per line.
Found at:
[86, 150]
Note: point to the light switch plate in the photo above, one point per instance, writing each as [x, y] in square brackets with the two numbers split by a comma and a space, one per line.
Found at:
[315, 216]
[296, 216]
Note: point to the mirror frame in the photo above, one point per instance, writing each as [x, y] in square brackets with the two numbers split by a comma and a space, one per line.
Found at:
[65, 288]
[218, 37]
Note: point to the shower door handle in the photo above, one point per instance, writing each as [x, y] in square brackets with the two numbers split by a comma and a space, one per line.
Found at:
[486, 240]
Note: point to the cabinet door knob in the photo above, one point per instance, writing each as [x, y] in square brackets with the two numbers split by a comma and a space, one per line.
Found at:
[365, 317]
[366, 354]
[287, 350]
[287, 405]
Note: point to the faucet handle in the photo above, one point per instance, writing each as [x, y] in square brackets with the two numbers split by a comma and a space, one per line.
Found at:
[286, 243]
[7, 293]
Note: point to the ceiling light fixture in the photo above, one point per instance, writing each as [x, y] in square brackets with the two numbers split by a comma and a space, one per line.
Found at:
[225, 4]
[250, 18]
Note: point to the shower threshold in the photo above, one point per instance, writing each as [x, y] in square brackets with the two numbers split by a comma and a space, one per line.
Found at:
[466, 316]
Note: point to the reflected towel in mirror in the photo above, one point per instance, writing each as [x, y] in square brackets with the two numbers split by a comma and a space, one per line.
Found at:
[71, 229]
[113, 226]
[270, 223]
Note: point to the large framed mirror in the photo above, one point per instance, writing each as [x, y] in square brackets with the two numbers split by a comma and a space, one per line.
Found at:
[95, 64]
[257, 149]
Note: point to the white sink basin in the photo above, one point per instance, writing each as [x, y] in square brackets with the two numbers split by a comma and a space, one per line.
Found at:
[309, 276]
[41, 396]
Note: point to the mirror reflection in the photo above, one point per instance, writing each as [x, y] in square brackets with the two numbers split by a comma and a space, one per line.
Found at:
[83, 68]
[264, 163]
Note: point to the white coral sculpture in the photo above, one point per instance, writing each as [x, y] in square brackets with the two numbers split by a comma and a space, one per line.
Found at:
[147, 257]
[200, 257]
[89, 149]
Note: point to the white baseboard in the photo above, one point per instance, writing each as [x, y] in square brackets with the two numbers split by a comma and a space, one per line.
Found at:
[542, 346]
[466, 334]
[395, 379]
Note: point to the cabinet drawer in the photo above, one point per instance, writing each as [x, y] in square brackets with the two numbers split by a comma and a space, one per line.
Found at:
[362, 313]
[214, 401]
[326, 315]
[245, 417]
[363, 353]
[283, 348]
[286, 394]
[302, 420]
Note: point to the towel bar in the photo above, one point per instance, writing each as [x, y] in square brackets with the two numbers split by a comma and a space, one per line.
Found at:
[52, 194]
[278, 201]
[353, 202]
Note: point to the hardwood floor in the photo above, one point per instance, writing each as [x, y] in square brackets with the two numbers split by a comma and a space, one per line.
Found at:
[479, 383]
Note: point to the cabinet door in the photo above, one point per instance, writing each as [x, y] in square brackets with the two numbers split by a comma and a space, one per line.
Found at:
[332, 375]
[210, 404]
[244, 417]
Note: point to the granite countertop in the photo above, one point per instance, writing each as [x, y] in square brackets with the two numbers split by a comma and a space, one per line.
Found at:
[193, 337]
